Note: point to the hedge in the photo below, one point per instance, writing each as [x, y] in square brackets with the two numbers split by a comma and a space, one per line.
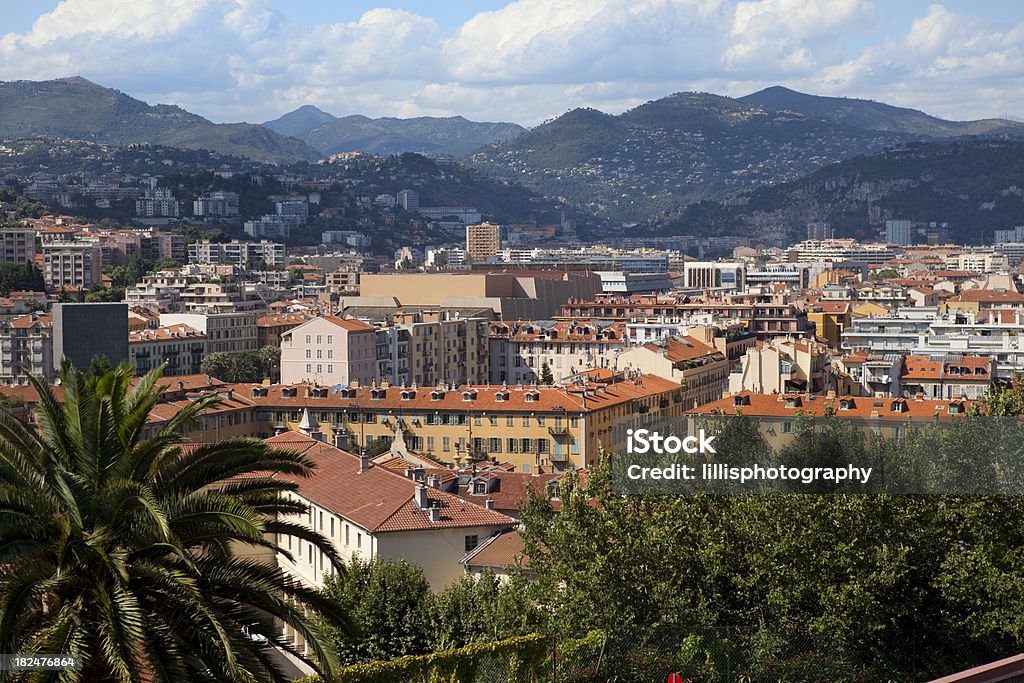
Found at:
[525, 655]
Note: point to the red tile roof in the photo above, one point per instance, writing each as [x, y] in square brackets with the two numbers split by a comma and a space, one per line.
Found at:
[856, 407]
[378, 499]
[513, 398]
[499, 552]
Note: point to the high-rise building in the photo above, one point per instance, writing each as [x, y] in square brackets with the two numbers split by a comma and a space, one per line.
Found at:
[84, 331]
[409, 200]
[482, 241]
[820, 230]
[898, 232]
[70, 264]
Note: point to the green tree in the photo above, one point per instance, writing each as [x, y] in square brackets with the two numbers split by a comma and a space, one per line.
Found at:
[546, 377]
[122, 549]
[389, 605]
[242, 367]
[270, 360]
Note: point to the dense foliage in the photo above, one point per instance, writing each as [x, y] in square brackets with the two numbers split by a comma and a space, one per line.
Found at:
[906, 583]
[243, 367]
[394, 613]
[15, 278]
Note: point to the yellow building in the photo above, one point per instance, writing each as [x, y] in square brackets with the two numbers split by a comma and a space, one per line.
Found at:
[537, 429]
[830, 318]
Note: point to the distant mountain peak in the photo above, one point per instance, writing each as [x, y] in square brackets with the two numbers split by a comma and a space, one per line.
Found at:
[451, 135]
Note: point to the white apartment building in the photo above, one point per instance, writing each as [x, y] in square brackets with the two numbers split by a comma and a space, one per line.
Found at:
[26, 348]
[237, 253]
[216, 205]
[329, 351]
[158, 202]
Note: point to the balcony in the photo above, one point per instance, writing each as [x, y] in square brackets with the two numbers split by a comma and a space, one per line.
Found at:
[559, 432]
[559, 457]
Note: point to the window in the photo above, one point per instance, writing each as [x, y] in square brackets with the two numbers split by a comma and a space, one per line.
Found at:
[526, 420]
[446, 443]
[348, 529]
[308, 339]
[359, 540]
[319, 339]
[309, 367]
[494, 445]
[330, 354]
[510, 421]
[540, 420]
[309, 353]
[319, 368]
[472, 542]
[319, 354]
[330, 339]
[430, 444]
[493, 420]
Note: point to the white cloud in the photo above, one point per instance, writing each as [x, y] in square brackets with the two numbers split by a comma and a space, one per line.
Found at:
[791, 36]
[528, 61]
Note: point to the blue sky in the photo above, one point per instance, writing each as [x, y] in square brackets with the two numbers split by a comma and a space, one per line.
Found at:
[525, 61]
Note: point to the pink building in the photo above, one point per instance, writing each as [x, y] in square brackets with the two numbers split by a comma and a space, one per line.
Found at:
[329, 351]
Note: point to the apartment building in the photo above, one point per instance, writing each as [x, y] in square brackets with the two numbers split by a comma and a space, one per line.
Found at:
[17, 246]
[782, 366]
[947, 376]
[71, 264]
[430, 346]
[216, 205]
[26, 348]
[329, 351]
[179, 348]
[244, 254]
[534, 428]
[702, 371]
[228, 332]
[519, 350]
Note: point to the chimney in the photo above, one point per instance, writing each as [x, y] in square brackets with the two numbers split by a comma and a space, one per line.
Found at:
[364, 462]
[489, 503]
[420, 497]
[339, 440]
[435, 514]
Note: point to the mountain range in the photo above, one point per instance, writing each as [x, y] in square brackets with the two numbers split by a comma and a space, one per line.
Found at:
[452, 136]
[690, 147]
[82, 110]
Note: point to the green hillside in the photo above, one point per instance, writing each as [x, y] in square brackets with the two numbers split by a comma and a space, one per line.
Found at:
[974, 185]
[78, 109]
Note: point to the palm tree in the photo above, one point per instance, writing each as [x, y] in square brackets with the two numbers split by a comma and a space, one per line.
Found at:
[123, 550]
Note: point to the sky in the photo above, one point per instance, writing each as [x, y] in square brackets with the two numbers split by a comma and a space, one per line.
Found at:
[526, 61]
